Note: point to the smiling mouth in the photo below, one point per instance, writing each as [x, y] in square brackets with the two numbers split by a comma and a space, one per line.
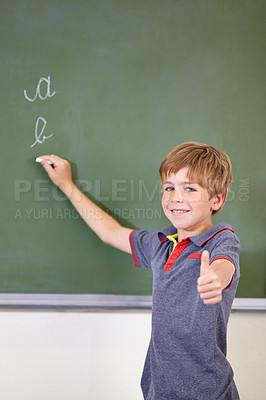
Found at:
[178, 212]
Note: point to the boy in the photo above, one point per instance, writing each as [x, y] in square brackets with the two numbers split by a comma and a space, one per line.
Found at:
[195, 269]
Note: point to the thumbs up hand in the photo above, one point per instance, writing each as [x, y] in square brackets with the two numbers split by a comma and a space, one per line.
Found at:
[209, 283]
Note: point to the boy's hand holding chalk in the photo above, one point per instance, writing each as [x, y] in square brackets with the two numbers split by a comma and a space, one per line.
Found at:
[41, 159]
[59, 171]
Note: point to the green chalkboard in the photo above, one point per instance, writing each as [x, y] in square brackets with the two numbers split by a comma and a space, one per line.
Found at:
[113, 85]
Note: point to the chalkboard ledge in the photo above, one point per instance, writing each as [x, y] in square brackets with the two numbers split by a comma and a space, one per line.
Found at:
[92, 302]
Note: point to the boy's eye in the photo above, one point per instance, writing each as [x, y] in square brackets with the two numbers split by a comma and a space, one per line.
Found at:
[190, 189]
[168, 188]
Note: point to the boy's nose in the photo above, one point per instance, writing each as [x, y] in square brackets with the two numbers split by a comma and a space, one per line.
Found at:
[177, 197]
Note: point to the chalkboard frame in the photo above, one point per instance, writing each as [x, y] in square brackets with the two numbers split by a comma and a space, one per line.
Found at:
[103, 303]
[130, 74]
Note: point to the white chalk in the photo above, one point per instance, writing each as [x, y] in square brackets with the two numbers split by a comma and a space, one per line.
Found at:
[41, 159]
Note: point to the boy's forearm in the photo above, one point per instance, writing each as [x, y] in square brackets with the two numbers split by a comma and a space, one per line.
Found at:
[104, 225]
[225, 271]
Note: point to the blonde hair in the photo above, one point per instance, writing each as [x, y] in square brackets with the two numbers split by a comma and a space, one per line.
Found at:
[209, 167]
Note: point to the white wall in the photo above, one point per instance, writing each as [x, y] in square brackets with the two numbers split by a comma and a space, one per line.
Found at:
[247, 353]
[99, 356]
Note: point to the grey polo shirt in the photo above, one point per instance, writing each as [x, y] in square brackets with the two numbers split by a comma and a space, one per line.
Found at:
[186, 359]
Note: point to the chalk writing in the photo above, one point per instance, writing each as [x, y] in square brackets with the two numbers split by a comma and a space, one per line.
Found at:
[38, 90]
[40, 138]
[41, 122]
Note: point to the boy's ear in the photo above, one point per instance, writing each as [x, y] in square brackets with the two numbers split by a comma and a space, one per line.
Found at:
[218, 201]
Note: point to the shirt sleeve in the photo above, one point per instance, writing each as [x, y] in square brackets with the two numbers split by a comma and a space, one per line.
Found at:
[142, 245]
[227, 247]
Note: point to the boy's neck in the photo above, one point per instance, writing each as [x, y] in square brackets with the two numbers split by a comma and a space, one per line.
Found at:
[183, 233]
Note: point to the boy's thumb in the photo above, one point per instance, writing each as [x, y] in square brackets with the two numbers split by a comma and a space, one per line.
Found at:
[205, 263]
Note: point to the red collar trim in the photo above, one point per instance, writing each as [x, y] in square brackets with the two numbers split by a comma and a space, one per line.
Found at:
[209, 238]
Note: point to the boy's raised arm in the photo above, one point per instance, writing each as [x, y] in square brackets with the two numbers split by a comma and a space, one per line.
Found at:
[105, 226]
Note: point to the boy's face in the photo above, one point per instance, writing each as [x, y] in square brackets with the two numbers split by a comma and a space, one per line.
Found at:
[187, 205]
